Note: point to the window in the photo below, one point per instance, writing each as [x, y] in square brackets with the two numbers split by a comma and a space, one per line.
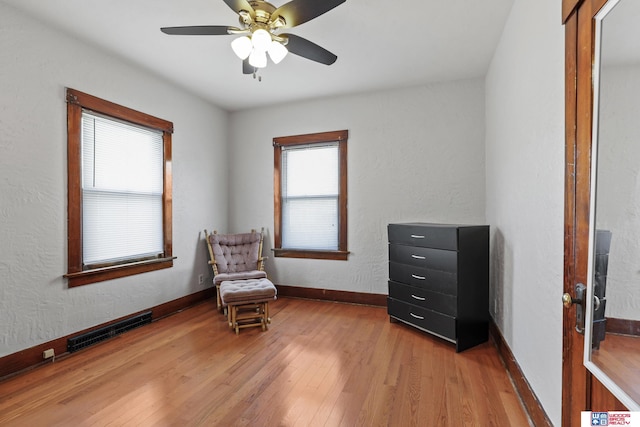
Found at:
[310, 195]
[119, 191]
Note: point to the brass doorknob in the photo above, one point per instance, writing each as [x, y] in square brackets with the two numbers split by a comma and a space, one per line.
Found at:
[568, 300]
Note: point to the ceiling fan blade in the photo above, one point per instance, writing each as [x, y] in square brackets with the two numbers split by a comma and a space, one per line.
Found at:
[303, 47]
[238, 5]
[246, 67]
[298, 12]
[199, 30]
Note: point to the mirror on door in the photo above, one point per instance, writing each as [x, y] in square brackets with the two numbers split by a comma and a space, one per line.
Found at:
[613, 300]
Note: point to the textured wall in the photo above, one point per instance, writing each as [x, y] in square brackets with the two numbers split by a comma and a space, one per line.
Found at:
[618, 206]
[36, 64]
[413, 155]
[525, 192]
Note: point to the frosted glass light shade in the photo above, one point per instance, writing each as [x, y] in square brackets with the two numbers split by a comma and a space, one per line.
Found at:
[261, 40]
[258, 58]
[242, 47]
[277, 52]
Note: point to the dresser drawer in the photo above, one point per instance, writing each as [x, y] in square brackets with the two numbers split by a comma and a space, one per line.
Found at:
[431, 280]
[433, 259]
[424, 235]
[443, 303]
[428, 320]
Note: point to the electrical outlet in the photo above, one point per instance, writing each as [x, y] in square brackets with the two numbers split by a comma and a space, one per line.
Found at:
[48, 354]
[201, 279]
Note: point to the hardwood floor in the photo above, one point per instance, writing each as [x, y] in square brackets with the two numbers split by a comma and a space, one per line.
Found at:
[619, 358]
[319, 364]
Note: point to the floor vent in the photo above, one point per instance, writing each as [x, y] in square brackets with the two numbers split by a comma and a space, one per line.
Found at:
[87, 339]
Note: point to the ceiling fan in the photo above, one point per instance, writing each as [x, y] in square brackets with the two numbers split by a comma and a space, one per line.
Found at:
[259, 31]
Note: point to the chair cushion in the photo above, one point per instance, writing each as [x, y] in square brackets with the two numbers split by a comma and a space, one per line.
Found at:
[241, 275]
[235, 252]
[237, 292]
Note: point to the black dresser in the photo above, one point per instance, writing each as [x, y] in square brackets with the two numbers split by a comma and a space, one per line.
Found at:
[439, 280]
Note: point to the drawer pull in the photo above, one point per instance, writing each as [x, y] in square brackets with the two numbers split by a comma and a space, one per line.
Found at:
[418, 277]
[418, 257]
[417, 236]
[418, 298]
[416, 316]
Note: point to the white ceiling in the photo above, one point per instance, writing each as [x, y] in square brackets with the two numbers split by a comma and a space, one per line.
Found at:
[379, 44]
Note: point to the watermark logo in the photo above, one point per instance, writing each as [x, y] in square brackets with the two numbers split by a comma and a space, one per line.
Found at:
[610, 418]
[599, 418]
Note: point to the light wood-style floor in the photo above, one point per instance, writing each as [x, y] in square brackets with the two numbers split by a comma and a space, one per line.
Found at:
[619, 358]
[319, 364]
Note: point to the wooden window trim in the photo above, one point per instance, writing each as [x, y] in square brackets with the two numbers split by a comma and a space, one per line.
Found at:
[77, 273]
[341, 137]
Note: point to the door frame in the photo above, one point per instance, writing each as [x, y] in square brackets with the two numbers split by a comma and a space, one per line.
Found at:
[581, 391]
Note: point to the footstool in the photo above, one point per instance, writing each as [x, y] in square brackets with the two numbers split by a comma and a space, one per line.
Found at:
[247, 302]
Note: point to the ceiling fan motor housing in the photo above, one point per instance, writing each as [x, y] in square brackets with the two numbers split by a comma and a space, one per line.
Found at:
[262, 11]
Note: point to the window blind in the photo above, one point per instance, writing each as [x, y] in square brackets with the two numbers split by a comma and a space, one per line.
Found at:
[122, 186]
[310, 189]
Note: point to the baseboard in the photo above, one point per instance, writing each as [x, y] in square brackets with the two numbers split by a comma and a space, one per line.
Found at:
[378, 300]
[32, 357]
[623, 326]
[530, 401]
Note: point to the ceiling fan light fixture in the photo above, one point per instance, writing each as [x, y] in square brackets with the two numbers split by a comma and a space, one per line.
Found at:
[242, 47]
[258, 34]
[277, 51]
[261, 40]
[258, 58]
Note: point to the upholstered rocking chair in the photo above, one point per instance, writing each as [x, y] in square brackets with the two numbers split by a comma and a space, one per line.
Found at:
[243, 291]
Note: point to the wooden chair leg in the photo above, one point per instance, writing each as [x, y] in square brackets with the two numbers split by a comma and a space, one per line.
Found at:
[266, 314]
[231, 315]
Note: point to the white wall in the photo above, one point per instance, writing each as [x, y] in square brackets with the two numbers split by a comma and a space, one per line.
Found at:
[414, 154]
[36, 64]
[525, 192]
